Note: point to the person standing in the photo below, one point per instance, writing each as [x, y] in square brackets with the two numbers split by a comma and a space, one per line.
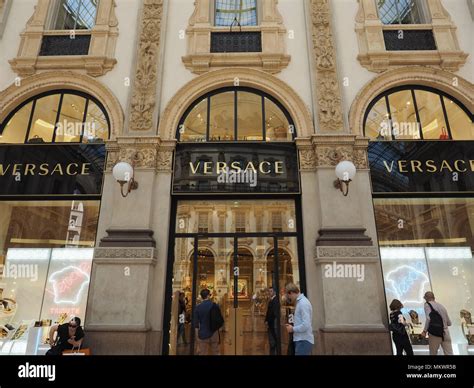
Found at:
[271, 319]
[398, 328]
[436, 325]
[302, 330]
[207, 334]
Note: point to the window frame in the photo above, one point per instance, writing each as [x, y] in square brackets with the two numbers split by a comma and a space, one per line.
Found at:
[412, 88]
[61, 93]
[237, 89]
[213, 14]
[54, 12]
[425, 15]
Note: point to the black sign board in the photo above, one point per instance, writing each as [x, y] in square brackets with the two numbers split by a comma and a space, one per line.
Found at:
[246, 168]
[422, 166]
[29, 170]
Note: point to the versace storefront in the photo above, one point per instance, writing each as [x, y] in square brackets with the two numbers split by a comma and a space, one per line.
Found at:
[50, 190]
[423, 185]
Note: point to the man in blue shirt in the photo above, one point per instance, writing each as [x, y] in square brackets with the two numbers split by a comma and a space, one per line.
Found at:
[205, 336]
[302, 330]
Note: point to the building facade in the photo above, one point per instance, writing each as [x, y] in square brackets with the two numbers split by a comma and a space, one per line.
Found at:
[232, 117]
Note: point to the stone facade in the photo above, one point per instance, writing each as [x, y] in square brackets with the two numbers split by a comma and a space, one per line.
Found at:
[127, 296]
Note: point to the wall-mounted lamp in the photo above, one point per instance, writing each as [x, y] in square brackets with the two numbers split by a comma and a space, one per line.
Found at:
[345, 172]
[124, 173]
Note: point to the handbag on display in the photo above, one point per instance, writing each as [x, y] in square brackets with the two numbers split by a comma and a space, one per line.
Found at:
[444, 134]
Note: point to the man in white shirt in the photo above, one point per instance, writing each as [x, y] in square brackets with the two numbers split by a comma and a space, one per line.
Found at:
[434, 341]
[302, 330]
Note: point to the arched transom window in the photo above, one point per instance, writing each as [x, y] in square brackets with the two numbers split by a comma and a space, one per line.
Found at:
[236, 114]
[64, 116]
[417, 113]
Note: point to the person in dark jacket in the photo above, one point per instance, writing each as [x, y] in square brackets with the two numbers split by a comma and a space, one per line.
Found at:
[206, 338]
[70, 335]
[271, 319]
[397, 326]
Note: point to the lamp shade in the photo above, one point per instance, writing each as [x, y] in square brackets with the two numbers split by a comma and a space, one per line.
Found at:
[346, 171]
[122, 172]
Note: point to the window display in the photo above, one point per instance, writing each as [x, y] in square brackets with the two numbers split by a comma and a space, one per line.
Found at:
[46, 250]
[429, 248]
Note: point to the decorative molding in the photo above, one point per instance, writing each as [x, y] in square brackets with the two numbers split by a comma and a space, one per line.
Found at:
[325, 253]
[149, 254]
[410, 75]
[101, 57]
[225, 77]
[143, 152]
[307, 159]
[325, 150]
[273, 58]
[374, 56]
[143, 101]
[330, 116]
[28, 87]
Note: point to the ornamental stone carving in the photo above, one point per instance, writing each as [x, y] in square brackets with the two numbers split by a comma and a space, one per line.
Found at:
[328, 150]
[146, 76]
[325, 253]
[142, 152]
[330, 115]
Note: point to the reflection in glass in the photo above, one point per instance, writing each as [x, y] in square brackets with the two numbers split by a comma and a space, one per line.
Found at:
[404, 121]
[70, 124]
[460, 124]
[47, 224]
[231, 216]
[96, 127]
[44, 119]
[378, 125]
[244, 11]
[250, 121]
[54, 240]
[76, 14]
[70, 127]
[222, 125]
[194, 127]
[431, 115]
[277, 125]
[15, 130]
[401, 11]
[432, 252]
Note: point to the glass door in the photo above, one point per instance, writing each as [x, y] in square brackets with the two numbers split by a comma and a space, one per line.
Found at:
[238, 255]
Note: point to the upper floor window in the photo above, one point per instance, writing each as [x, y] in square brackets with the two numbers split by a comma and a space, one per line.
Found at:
[56, 117]
[402, 11]
[236, 114]
[417, 113]
[242, 11]
[75, 14]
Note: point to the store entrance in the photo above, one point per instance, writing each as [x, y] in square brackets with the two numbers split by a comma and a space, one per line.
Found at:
[245, 273]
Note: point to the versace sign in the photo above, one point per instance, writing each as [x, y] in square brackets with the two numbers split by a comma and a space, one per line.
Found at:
[51, 169]
[422, 166]
[236, 168]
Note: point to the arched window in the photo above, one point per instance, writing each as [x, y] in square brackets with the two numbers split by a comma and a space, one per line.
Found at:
[65, 116]
[417, 113]
[236, 114]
